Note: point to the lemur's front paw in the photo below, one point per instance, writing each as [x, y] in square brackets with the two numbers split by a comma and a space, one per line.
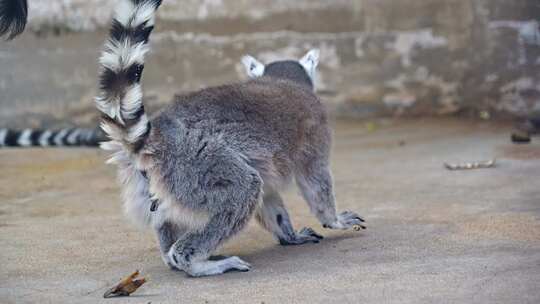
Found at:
[346, 220]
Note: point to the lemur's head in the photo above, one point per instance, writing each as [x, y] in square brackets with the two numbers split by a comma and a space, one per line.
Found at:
[300, 71]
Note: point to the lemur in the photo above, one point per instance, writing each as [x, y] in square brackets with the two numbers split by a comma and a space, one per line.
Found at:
[201, 168]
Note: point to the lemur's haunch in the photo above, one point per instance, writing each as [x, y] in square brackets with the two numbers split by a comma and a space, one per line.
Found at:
[213, 159]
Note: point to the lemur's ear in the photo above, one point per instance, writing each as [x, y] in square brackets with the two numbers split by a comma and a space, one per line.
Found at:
[310, 62]
[253, 67]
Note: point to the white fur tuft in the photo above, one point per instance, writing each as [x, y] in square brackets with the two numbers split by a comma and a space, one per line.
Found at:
[138, 130]
[310, 62]
[253, 67]
[124, 12]
[119, 55]
[110, 146]
[110, 107]
[135, 193]
[132, 100]
[113, 131]
[144, 13]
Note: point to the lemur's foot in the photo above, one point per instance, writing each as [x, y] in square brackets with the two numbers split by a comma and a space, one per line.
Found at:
[346, 220]
[304, 235]
[212, 266]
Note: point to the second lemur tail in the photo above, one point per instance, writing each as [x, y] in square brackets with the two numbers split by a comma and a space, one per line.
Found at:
[122, 61]
[72, 137]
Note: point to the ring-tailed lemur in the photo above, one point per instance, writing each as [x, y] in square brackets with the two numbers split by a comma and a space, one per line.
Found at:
[69, 137]
[13, 14]
[202, 163]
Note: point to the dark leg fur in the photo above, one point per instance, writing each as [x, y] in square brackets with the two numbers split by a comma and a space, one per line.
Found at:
[273, 216]
[168, 233]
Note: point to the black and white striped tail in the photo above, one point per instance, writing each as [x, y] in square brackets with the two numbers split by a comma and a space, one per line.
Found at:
[13, 15]
[122, 61]
[75, 137]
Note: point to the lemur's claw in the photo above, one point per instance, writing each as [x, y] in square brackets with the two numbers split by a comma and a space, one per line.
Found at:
[358, 227]
[309, 232]
[346, 220]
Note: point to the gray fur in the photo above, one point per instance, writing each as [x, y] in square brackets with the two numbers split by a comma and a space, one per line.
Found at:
[289, 69]
[213, 150]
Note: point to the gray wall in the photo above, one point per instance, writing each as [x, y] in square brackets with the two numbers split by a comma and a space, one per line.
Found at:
[379, 57]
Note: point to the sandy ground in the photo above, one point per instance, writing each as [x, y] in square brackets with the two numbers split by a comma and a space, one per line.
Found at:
[434, 236]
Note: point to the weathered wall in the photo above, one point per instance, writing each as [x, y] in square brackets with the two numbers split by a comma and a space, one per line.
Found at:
[410, 57]
[77, 15]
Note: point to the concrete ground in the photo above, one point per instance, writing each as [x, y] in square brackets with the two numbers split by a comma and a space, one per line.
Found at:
[434, 236]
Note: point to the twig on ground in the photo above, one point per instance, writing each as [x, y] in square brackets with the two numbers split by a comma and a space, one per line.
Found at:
[473, 165]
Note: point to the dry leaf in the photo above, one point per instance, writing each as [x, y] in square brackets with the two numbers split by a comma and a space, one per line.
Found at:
[127, 286]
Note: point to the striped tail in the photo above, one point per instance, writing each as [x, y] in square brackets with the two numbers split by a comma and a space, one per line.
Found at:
[13, 15]
[122, 61]
[74, 137]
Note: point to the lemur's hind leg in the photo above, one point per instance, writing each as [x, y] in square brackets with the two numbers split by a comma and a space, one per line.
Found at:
[232, 192]
[315, 182]
[273, 216]
[167, 234]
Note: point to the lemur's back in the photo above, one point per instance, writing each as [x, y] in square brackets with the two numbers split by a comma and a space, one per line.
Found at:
[269, 121]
